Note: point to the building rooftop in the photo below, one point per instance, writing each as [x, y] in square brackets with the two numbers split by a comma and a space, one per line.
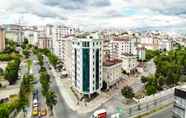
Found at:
[87, 35]
[111, 62]
[82, 35]
[123, 38]
[127, 54]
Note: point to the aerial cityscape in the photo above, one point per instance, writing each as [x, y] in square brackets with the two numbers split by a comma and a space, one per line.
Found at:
[92, 59]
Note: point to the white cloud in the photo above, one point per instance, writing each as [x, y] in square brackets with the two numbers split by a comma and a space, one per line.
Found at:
[96, 13]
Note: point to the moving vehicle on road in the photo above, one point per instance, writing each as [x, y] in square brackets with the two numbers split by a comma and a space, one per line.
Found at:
[35, 103]
[99, 114]
[43, 112]
[35, 111]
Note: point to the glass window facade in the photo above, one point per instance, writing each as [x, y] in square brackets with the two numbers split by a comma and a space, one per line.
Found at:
[97, 68]
[85, 44]
[75, 67]
[86, 73]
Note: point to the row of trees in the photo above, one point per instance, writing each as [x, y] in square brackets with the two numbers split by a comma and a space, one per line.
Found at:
[10, 46]
[46, 91]
[8, 56]
[170, 70]
[149, 54]
[10, 52]
[52, 58]
[21, 101]
[25, 90]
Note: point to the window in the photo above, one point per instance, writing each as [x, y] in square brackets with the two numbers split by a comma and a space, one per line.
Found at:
[97, 68]
[85, 68]
[85, 44]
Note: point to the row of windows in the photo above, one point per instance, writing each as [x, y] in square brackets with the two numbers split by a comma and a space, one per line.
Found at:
[86, 44]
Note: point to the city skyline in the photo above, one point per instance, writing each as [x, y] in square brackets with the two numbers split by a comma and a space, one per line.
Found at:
[97, 14]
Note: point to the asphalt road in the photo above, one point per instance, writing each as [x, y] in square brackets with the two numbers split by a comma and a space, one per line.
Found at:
[61, 109]
[37, 86]
[163, 114]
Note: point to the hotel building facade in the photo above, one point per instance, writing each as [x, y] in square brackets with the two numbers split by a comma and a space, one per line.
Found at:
[87, 63]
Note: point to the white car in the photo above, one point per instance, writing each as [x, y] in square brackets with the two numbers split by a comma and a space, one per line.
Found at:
[35, 103]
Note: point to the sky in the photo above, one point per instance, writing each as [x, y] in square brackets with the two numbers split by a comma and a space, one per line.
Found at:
[97, 14]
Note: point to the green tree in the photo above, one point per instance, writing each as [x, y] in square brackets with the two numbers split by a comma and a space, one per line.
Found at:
[44, 80]
[25, 90]
[11, 72]
[26, 53]
[51, 100]
[127, 92]
[149, 54]
[144, 79]
[150, 89]
[40, 58]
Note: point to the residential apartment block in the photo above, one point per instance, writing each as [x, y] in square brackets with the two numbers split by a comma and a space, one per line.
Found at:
[129, 62]
[14, 32]
[31, 34]
[112, 71]
[87, 63]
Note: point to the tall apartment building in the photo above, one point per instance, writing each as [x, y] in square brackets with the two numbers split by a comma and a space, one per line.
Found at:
[67, 41]
[87, 63]
[45, 37]
[31, 34]
[123, 44]
[179, 108]
[59, 32]
[2, 39]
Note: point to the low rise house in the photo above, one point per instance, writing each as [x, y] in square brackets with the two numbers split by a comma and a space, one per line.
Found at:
[165, 45]
[129, 62]
[112, 71]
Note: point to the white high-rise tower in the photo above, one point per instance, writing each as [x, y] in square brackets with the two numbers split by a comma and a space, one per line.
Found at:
[87, 63]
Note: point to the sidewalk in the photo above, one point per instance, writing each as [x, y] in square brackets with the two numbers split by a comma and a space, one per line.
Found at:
[64, 86]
